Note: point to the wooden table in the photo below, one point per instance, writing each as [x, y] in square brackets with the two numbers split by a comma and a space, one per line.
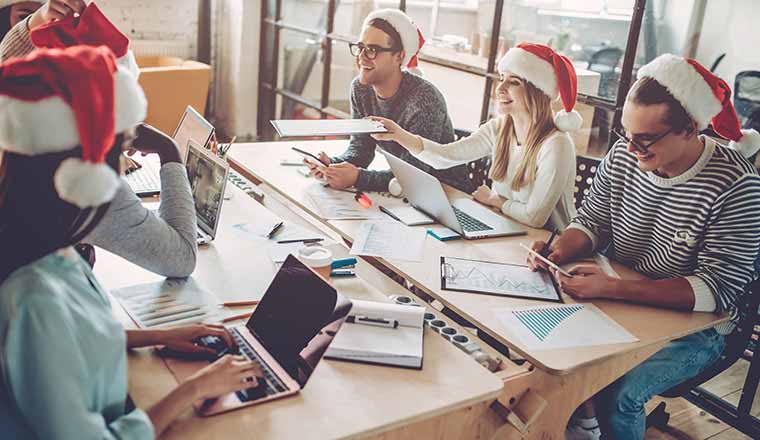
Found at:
[447, 397]
[564, 378]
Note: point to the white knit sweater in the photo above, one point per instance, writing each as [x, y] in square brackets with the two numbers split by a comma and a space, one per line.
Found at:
[547, 202]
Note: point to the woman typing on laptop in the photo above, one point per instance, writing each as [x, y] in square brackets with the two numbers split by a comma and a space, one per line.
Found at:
[533, 163]
[62, 354]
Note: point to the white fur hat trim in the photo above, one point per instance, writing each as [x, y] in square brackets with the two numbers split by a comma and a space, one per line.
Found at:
[410, 39]
[749, 143]
[531, 68]
[49, 125]
[568, 121]
[686, 85]
[85, 184]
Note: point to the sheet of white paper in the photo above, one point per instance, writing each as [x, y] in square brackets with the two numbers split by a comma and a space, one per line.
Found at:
[409, 215]
[332, 204]
[168, 303]
[288, 231]
[497, 278]
[389, 239]
[326, 127]
[557, 326]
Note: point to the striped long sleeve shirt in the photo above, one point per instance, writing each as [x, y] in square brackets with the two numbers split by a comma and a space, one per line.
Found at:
[17, 42]
[703, 225]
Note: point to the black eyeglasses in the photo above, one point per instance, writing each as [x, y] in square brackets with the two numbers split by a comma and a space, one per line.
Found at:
[370, 50]
[636, 144]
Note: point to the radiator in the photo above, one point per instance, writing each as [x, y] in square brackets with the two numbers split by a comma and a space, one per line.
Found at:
[161, 48]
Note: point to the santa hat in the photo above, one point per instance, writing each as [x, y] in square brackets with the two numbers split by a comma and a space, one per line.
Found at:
[551, 73]
[704, 96]
[91, 28]
[57, 99]
[411, 35]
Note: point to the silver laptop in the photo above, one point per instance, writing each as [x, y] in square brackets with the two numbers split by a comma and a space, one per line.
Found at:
[146, 181]
[208, 179]
[466, 217]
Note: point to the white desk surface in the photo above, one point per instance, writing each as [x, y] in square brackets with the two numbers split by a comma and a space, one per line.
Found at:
[261, 161]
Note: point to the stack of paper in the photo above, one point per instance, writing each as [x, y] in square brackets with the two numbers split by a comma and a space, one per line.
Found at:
[390, 239]
[401, 346]
[167, 303]
[332, 204]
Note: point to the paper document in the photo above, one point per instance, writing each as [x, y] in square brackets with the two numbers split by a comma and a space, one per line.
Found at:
[552, 327]
[497, 279]
[288, 231]
[326, 127]
[168, 303]
[400, 346]
[332, 204]
[389, 239]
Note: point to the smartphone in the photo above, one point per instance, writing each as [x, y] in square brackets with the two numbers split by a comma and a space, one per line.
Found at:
[310, 158]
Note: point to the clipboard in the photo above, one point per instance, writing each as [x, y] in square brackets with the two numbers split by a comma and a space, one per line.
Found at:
[498, 279]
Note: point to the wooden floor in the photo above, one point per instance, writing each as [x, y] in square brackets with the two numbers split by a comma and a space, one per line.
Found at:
[689, 422]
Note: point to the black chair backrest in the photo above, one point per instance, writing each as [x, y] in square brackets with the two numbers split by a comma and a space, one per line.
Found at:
[747, 98]
[608, 57]
[584, 177]
[477, 170]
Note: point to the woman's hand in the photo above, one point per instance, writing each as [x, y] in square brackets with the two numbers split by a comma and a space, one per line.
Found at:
[588, 282]
[226, 375]
[56, 10]
[149, 139]
[183, 338]
[487, 196]
[318, 171]
[397, 134]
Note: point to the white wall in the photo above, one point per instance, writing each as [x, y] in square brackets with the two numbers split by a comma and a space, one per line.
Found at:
[166, 20]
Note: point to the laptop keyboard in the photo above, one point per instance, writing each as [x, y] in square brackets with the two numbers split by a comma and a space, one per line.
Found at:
[143, 180]
[269, 385]
[470, 223]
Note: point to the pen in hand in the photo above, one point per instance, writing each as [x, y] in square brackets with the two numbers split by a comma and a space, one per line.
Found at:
[547, 246]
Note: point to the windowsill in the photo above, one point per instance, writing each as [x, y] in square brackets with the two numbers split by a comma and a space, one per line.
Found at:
[584, 15]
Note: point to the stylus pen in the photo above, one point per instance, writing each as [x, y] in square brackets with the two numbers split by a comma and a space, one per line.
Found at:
[377, 322]
[301, 240]
[274, 230]
[545, 250]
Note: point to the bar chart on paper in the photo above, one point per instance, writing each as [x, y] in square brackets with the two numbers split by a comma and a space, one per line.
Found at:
[563, 326]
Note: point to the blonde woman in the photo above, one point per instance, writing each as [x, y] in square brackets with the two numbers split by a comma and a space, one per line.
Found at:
[533, 159]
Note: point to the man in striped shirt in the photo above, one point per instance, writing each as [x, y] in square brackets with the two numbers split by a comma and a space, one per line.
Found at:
[677, 207]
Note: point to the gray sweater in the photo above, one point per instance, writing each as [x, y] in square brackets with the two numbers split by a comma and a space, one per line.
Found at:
[418, 107]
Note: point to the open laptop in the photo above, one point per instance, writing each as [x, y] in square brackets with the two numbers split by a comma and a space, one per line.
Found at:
[208, 179]
[466, 217]
[146, 181]
[287, 335]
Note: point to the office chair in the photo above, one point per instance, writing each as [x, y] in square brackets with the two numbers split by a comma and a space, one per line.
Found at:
[604, 62]
[736, 344]
[747, 98]
[585, 169]
[477, 170]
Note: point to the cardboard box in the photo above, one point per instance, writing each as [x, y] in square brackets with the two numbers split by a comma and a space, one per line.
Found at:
[171, 84]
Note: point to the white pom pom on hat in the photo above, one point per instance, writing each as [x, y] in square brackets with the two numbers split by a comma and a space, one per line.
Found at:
[85, 184]
[705, 96]
[550, 72]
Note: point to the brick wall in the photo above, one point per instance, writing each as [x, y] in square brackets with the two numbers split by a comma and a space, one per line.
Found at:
[165, 20]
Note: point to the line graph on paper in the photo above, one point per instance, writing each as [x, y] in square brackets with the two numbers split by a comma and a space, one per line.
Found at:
[496, 278]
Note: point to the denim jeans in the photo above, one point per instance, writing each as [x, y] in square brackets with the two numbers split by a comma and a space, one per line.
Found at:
[620, 407]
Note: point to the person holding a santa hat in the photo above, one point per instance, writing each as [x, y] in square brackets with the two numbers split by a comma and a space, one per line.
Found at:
[63, 354]
[677, 207]
[17, 42]
[164, 243]
[533, 159]
[390, 85]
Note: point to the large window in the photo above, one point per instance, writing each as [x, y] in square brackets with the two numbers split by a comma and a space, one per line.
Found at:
[306, 68]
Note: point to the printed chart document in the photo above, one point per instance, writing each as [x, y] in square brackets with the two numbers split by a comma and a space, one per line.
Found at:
[332, 204]
[389, 239]
[501, 279]
[326, 127]
[401, 346]
[168, 303]
[556, 326]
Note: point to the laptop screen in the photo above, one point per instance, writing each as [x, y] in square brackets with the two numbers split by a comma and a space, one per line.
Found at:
[208, 178]
[297, 318]
[193, 127]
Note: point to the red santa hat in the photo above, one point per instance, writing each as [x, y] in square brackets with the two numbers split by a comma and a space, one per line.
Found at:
[704, 96]
[551, 73]
[411, 35]
[91, 28]
[57, 99]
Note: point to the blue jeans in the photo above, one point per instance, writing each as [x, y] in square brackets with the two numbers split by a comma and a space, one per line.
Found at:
[620, 407]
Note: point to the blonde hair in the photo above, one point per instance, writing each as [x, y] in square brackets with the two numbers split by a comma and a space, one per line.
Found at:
[541, 127]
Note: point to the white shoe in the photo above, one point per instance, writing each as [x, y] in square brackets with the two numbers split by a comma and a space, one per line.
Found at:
[583, 429]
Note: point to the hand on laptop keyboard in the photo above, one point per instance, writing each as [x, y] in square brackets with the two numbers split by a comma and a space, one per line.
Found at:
[226, 375]
[197, 342]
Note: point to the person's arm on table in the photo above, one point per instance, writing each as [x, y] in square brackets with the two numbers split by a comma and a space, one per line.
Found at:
[179, 338]
[164, 244]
